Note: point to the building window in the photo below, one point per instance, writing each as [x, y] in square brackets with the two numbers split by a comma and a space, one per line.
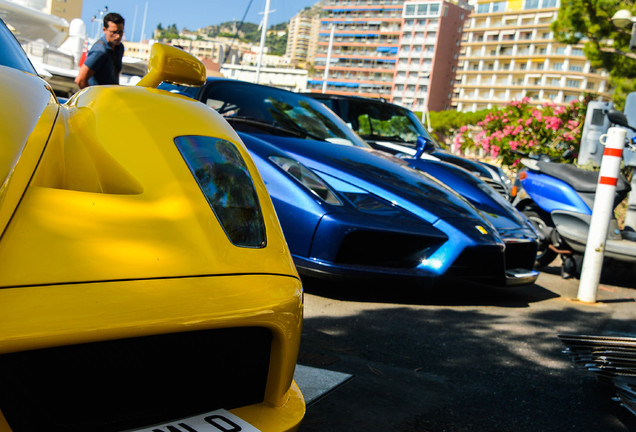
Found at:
[572, 83]
[483, 8]
[540, 4]
[499, 6]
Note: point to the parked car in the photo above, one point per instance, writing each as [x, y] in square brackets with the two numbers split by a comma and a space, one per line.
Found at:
[349, 210]
[145, 282]
[396, 129]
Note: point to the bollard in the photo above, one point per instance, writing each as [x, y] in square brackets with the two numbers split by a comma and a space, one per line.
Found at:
[601, 214]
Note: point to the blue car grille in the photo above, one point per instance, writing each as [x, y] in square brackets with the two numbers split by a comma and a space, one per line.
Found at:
[498, 186]
[484, 264]
[122, 384]
[520, 255]
[385, 249]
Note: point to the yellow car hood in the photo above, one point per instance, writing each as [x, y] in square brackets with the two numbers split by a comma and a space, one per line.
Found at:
[112, 198]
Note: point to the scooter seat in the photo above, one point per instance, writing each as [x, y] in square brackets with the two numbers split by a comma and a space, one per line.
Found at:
[581, 180]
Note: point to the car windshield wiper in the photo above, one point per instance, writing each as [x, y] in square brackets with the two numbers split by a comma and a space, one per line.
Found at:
[264, 124]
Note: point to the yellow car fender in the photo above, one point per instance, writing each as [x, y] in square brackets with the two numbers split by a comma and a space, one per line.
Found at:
[106, 237]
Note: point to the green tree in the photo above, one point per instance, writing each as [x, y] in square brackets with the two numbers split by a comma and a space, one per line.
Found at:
[277, 44]
[168, 33]
[444, 123]
[606, 46]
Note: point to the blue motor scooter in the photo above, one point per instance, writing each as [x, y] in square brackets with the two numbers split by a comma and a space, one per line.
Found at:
[558, 199]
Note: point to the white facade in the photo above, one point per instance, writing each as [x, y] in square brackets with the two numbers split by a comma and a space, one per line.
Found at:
[250, 58]
[427, 54]
[289, 79]
[509, 52]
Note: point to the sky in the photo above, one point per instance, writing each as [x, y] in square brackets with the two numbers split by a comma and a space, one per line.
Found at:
[190, 14]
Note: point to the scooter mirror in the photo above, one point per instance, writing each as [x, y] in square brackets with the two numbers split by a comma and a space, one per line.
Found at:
[568, 154]
[545, 158]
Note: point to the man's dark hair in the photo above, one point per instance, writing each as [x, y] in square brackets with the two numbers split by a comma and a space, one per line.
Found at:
[113, 17]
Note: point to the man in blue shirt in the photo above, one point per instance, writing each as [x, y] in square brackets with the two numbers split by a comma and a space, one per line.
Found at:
[103, 62]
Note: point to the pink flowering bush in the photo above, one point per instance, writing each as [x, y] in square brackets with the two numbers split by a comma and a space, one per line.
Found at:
[526, 128]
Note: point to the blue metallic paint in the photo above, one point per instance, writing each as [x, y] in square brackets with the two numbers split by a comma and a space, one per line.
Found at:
[417, 208]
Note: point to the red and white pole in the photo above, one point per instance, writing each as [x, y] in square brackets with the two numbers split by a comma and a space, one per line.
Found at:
[601, 214]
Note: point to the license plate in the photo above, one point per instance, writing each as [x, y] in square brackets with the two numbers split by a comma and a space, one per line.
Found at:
[215, 421]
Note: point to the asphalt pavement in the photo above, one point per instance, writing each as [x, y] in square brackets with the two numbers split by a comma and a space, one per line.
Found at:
[463, 357]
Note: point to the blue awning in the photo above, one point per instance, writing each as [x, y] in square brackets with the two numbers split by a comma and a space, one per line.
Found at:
[392, 50]
[350, 34]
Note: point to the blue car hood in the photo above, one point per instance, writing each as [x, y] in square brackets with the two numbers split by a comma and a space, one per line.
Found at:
[373, 171]
[489, 202]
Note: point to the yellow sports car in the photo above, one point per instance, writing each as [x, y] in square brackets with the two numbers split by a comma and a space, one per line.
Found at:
[145, 283]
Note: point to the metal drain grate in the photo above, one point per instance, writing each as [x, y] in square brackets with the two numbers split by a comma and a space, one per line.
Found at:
[611, 359]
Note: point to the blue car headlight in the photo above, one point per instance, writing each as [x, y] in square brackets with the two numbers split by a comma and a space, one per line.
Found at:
[360, 198]
[307, 178]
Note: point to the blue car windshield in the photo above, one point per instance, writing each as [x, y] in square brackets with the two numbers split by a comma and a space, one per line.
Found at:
[12, 54]
[383, 121]
[256, 108]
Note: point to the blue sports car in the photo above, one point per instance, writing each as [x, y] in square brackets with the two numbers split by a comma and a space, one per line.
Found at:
[397, 130]
[349, 210]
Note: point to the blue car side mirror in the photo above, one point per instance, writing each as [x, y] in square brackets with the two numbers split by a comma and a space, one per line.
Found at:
[423, 145]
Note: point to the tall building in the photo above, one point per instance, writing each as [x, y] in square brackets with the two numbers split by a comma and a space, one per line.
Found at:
[509, 52]
[364, 50]
[67, 9]
[428, 54]
[302, 36]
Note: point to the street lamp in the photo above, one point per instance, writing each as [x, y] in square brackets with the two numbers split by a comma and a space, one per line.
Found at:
[623, 19]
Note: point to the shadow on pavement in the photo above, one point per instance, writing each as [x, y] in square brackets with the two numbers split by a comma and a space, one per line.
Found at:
[440, 294]
[479, 369]
[614, 273]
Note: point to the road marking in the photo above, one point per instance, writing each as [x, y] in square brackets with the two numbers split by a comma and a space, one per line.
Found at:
[316, 383]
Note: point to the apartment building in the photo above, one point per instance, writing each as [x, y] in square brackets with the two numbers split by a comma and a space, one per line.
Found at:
[292, 79]
[428, 54]
[508, 52]
[138, 50]
[218, 50]
[302, 36]
[364, 51]
[67, 9]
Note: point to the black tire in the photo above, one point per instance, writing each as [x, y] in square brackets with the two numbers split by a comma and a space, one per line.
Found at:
[544, 226]
[571, 266]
